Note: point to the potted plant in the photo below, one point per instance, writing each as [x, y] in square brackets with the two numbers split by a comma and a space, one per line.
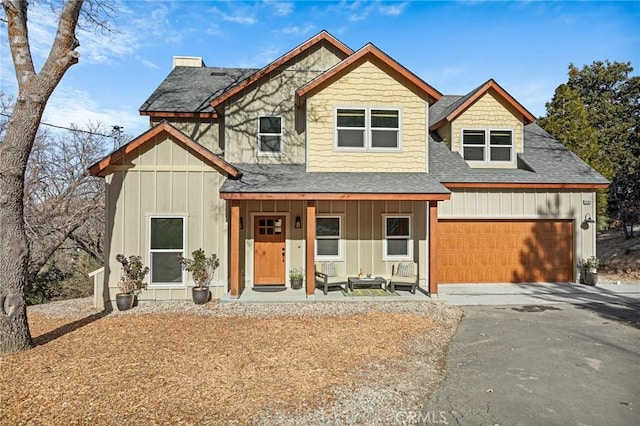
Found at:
[589, 270]
[202, 269]
[296, 275]
[131, 280]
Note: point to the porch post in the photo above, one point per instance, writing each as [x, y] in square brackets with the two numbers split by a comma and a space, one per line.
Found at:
[433, 243]
[311, 254]
[234, 251]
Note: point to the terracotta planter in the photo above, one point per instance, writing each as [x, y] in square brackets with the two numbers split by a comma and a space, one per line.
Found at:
[296, 284]
[200, 295]
[124, 301]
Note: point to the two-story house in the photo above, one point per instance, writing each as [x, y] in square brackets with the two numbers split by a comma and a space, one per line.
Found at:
[334, 155]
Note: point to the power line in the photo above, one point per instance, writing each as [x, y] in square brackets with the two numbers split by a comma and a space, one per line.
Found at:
[116, 129]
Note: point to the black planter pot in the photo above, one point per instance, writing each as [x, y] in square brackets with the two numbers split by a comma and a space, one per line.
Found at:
[124, 301]
[296, 284]
[591, 278]
[200, 295]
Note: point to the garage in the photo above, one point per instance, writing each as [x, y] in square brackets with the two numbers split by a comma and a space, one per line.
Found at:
[505, 251]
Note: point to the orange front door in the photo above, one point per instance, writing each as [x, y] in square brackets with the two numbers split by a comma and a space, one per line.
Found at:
[269, 257]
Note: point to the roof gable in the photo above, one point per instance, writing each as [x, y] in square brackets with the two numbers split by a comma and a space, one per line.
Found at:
[292, 54]
[456, 108]
[369, 51]
[100, 168]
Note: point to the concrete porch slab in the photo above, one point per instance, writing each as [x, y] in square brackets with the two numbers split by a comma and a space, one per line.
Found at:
[298, 296]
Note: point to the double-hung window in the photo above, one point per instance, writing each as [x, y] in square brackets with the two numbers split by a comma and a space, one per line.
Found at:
[367, 129]
[269, 135]
[487, 145]
[167, 241]
[328, 237]
[397, 237]
[385, 128]
[350, 128]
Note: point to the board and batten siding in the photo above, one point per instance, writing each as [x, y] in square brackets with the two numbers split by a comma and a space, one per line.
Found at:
[274, 96]
[164, 178]
[486, 204]
[366, 86]
[362, 231]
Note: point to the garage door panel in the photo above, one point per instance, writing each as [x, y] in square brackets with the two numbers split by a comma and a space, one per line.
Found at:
[505, 251]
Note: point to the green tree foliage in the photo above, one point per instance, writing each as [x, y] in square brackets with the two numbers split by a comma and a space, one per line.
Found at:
[603, 99]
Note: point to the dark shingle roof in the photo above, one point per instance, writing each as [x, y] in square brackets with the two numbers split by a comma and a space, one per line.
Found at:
[191, 89]
[292, 178]
[545, 160]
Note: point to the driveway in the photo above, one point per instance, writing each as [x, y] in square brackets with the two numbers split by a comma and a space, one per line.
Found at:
[552, 364]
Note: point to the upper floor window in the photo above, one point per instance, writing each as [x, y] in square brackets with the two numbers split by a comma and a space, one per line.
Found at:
[270, 135]
[367, 129]
[497, 147]
[167, 241]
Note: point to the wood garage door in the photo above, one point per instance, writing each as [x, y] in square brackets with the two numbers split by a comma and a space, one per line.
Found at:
[503, 251]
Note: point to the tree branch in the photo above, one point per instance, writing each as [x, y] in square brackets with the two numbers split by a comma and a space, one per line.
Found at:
[16, 12]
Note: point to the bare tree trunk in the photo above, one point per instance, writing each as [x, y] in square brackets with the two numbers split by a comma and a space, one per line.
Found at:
[34, 90]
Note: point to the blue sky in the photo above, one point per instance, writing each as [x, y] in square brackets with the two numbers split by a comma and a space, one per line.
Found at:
[454, 46]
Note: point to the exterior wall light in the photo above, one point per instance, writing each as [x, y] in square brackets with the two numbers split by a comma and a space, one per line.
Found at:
[587, 220]
[298, 223]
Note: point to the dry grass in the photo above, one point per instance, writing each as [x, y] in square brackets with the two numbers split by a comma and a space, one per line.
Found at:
[187, 369]
[620, 258]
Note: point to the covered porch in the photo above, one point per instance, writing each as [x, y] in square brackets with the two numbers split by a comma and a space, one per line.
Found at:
[367, 222]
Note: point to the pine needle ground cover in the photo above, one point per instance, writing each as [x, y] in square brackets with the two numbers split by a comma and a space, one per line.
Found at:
[207, 368]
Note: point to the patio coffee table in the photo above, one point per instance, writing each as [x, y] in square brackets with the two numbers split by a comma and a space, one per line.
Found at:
[354, 282]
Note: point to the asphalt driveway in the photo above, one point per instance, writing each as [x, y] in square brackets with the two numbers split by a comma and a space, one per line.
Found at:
[552, 364]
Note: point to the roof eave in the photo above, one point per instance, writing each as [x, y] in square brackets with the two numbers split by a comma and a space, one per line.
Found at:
[334, 196]
[179, 114]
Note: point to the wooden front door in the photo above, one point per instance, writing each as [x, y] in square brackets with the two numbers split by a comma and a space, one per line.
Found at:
[269, 257]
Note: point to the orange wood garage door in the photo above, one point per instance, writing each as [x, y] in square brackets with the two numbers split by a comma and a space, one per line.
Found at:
[503, 251]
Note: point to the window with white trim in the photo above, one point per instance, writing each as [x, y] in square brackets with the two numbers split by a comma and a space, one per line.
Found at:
[397, 238]
[368, 128]
[166, 242]
[328, 237]
[270, 135]
[350, 128]
[497, 147]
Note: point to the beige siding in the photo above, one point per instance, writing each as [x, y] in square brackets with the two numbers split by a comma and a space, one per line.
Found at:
[366, 86]
[274, 97]
[489, 112]
[163, 178]
[205, 131]
[527, 204]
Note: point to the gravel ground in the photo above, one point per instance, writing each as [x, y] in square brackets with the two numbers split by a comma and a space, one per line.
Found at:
[309, 363]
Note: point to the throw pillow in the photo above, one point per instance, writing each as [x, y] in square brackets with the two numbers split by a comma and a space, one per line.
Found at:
[405, 269]
[329, 269]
